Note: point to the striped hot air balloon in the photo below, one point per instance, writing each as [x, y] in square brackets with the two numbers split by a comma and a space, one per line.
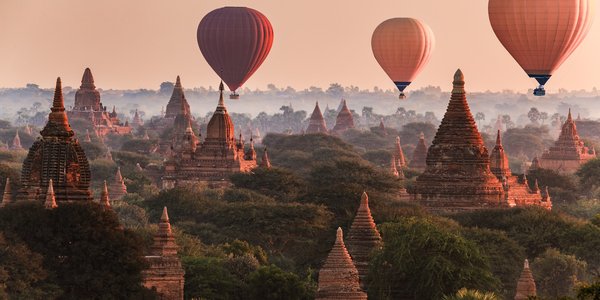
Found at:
[402, 47]
[540, 34]
[235, 41]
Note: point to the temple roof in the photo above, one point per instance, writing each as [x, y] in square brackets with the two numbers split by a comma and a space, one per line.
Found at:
[87, 81]
[344, 119]
[177, 101]
[338, 277]
[499, 160]
[419, 155]
[399, 154]
[220, 127]
[50, 197]
[568, 146]
[104, 198]
[316, 124]
[265, 162]
[58, 123]
[164, 240]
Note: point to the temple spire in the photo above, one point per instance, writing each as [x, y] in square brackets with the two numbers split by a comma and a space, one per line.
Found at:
[399, 154]
[164, 240]
[58, 123]
[498, 139]
[16, 144]
[87, 81]
[50, 202]
[316, 124]
[394, 169]
[104, 198]
[221, 89]
[265, 162]
[526, 285]
[338, 277]
[7, 195]
[569, 117]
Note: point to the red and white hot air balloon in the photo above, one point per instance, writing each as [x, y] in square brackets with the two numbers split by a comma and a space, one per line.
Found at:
[402, 47]
[235, 41]
[541, 34]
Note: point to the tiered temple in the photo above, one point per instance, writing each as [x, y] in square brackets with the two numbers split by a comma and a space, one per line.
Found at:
[338, 277]
[419, 156]
[363, 238]
[569, 152]
[165, 274]
[88, 106]
[460, 175]
[316, 124]
[344, 119]
[526, 284]
[212, 160]
[56, 156]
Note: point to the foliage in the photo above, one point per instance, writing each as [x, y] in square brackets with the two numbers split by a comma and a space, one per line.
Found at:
[589, 177]
[85, 252]
[270, 282]
[556, 274]
[208, 278]
[529, 141]
[589, 291]
[278, 183]
[562, 188]
[410, 132]
[446, 262]
[466, 294]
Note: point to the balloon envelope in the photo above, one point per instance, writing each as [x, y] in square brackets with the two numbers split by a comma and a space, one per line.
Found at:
[402, 47]
[235, 41]
[540, 34]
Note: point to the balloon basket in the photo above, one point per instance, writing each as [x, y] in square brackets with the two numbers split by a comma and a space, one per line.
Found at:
[402, 96]
[540, 91]
[234, 96]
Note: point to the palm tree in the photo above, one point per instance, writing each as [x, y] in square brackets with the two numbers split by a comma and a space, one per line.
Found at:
[466, 294]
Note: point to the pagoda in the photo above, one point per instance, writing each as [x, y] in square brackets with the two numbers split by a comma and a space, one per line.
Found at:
[7, 194]
[363, 238]
[89, 107]
[419, 156]
[338, 277]
[165, 274]
[117, 188]
[569, 152]
[461, 175]
[16, 143]
[137, 120]
[56, 156]
[210, 161]
[177, 101]
[344, 119]
[316, 124]
[265, 161]
[104, 197]
[399, 154]
[526, 284]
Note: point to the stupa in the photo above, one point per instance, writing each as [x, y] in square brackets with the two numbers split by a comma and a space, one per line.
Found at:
[338, 277]
[526, 284]
[419, 156]
[117, 188]
[88, 106]
[56, 156]
[363, 238]
[212, 160]
[7, 194]
[316, 124]
[569, 152]
[265, 161]
[165, 274]
[177, 101]
[344, 119]
[16, 142]
[399, 154]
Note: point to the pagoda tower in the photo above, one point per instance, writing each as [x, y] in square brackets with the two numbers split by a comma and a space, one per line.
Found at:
[165, 274]
[344, 119]
[526, 284]
[363, 238]
[338, 277]
[117, 188]
[458, 175]
[104, 198]
[137, 120]
[499, 160]
[569, 152]
[316, 124]
[56, 156]
[7, 194]
[184, 141]
[16, 143]
[265, 161]
[381, 127]
[177, 101]
[419, 156]
[50, 202]
[212, 160]
[399, 154]
[394, 169]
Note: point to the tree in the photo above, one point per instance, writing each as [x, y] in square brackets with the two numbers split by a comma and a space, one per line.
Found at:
[479, 117]
[466, 294]
[543, 117]
[413, 250]
[208, 278]
[270, 282]
[86, 253]
[589, 291]
[533, 115]
[589, 176]
[335, 90]
[556, 274]
[278, 183]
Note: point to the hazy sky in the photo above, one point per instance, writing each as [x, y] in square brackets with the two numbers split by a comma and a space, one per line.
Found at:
[141, 43]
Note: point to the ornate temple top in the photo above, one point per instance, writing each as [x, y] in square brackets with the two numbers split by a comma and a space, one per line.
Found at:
[177, 101]
[164, 240]
[316, 124]
[220, 128]
[338, 277]
[499, 160]
[344, 119]
[526, 284]
[104, 198]
[50, 202]
[419, 156]
[87, 98]
[16, 143]
[568, 146]
[58, 123]
[399, 154]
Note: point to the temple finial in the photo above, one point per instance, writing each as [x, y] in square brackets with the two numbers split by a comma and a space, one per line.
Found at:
[58, 102]
[458, 83]
[221, 89]
[165, 215]
[498, 139]
[178, 82]
[50, 202]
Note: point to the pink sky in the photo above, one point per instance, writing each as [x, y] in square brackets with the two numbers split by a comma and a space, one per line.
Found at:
[141, 43]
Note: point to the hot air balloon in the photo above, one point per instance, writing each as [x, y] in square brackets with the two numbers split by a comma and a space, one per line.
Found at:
[235, 41]
[402, 46]
[540, 34]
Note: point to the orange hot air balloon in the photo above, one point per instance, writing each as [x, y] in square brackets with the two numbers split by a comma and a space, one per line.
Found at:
[402, 47]
[540, 34]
